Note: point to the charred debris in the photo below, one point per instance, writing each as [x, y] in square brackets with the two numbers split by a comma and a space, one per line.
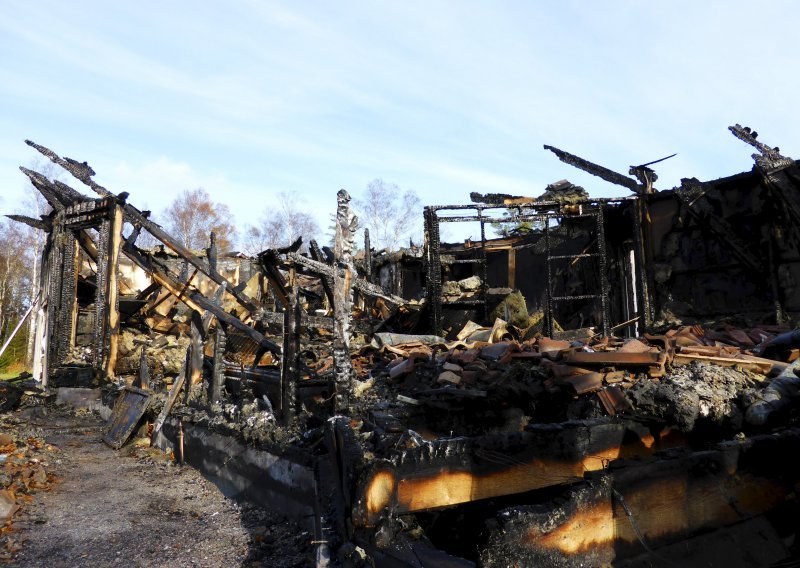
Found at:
[612, 382]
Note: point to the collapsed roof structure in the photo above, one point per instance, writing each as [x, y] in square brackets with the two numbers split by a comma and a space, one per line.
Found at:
[613, 380]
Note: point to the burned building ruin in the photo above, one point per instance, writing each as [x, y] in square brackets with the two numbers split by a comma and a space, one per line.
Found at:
[614, 384]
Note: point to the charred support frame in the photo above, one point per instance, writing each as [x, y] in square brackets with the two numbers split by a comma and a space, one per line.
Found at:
[533, 211]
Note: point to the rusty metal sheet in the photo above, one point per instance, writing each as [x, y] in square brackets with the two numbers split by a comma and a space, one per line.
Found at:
[131, 405]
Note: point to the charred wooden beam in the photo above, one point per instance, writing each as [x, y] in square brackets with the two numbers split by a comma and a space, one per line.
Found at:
[596, 170]
[83, 172]
[327, 281]
[448, 472]
[343, 277]
[361, 286]
[269, 264]
[87, 243]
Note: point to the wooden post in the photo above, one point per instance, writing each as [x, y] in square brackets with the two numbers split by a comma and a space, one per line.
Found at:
[73, 266]
[343, 276]
[110, 325]
[196, 360]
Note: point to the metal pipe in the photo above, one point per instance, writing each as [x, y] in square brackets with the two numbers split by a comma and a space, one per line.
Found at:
[16, 329]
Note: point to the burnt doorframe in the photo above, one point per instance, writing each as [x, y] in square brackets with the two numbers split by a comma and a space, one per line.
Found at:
[69, 238]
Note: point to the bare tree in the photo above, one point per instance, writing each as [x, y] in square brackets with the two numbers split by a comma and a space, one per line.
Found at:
[392, 216]
[280, 226]
[15, 276]
[192, 217]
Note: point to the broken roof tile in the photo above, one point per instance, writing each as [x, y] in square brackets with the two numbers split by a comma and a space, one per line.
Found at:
[614, 400]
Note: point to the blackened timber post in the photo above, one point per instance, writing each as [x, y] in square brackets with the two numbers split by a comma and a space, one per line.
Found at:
[212, 251]
[143, 379]
[367, 255]
[101, 294]
[218, 374]
[54, 288]
[641, 288]
[290, 356]
[604, 286]
[196, 347]
[433, 269]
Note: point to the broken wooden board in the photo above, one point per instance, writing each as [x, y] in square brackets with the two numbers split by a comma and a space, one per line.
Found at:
[171, 398]
[131, 405]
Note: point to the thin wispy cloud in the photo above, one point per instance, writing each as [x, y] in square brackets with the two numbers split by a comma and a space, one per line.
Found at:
[257, 97]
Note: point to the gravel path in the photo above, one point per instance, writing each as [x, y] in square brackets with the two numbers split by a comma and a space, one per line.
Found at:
[135, 507]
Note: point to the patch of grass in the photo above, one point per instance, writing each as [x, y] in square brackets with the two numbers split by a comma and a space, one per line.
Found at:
[12, 371]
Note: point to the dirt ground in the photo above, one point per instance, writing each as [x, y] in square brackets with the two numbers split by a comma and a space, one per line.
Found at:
[133, 507]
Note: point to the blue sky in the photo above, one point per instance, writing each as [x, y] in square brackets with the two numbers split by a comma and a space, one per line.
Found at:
[251, 98]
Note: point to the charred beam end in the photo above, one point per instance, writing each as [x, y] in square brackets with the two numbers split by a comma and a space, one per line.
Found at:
[42, 184]
[768, 159]
[81, 171]
[43, 224]
[596, 170]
